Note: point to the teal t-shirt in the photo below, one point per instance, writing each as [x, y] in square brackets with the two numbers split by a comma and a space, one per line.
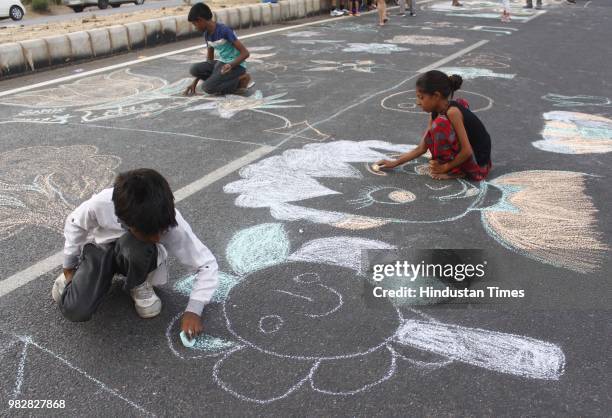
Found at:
[222, 40]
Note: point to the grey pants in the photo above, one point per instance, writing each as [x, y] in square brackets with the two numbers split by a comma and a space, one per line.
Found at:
[214, 81]
[402, 6]
[530, 3]
[128, 256]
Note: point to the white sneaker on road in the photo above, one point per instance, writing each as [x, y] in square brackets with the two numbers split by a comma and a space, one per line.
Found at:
[146, 302]
[58, 287]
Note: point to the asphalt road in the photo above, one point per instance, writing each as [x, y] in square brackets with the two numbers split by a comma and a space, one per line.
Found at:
[276, 184]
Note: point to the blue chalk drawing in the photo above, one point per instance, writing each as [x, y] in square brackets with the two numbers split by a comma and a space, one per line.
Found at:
[575, 133]
[560, 100]
[470, 73]
[257, 247]
[226, 282]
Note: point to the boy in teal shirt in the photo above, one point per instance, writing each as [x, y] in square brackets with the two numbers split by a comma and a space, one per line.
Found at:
[224, 75]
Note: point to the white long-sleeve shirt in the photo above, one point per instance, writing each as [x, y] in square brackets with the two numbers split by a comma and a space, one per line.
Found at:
[95, 221]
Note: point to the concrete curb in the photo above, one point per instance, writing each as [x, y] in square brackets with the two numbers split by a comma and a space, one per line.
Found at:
[19, 58]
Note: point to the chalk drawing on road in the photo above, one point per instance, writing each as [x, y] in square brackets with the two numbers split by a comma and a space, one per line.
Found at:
[304, 185]
[28, 345]
[423, 40]
[301, 130]
[477, 59]
[374, 48]
[132, 96]
[499, 30]
[360, 66]
[547, 216]
[304, 34]
[291, 82]
[39, 188]
[560, 100]
[229, 105]
[317, 41]
[470, 73]
[313, 295]
[405, 101]
[575, 133]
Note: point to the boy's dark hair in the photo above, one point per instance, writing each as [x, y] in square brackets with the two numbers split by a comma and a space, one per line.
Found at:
[199, 10]
[436, 81]
[144, 201]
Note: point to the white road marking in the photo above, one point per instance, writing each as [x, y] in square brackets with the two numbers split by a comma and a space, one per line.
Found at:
[54, 261]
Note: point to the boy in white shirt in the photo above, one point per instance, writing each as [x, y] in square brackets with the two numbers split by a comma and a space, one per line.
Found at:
[129, 229]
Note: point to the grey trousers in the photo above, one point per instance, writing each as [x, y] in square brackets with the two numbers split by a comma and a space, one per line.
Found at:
[402, 6]
[128, 256]
[530, 3]
[214, 81]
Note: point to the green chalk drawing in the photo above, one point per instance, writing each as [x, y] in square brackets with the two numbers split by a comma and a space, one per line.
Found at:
[257, 247]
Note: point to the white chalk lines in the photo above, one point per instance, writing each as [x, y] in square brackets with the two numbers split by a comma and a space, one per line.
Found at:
[27, 345]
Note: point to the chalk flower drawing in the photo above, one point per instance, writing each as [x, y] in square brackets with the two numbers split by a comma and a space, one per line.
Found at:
[363, 66]
[294, 333]
[575, 133]
[302, 184]
[423, 40]
[374, 48]
[227, 106]
[38, 187]
[132, 95]
[560, 100]
[470, 73]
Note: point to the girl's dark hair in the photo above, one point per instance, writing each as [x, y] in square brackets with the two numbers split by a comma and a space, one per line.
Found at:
[436, 81]
[199, 10]
[143, 200]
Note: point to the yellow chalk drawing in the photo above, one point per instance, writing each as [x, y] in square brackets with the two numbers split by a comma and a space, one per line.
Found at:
[547, 216]
[575, 133]
[39, 186]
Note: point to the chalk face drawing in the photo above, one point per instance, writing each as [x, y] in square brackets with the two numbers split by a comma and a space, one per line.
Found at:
[362, 66]
[132, 96]
[312, 296]
[560, 100]
[228, 105]
[280, 182]
[405, 101]
[38, 188]
[29, 353]
[470, 73]
[303, 184]
[374, 48]
[485, 60]
[423, 40]
[575, 133]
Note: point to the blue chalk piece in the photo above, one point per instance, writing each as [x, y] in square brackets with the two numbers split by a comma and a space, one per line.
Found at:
[186, 341]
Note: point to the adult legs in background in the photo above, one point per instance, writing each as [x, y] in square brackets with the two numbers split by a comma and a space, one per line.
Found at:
[381, 5]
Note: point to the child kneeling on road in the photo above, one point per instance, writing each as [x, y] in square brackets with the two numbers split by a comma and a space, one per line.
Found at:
[227, 74]
[129, 229]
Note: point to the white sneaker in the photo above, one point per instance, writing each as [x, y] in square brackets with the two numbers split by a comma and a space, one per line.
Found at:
[146, 302]
[336, 13]
[58, 287]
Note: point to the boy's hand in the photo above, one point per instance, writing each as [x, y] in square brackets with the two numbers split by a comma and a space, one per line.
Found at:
[191, 90]
[226, 68]
[191, 324]
[68, 274]
[437, 168]
[387, 164]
